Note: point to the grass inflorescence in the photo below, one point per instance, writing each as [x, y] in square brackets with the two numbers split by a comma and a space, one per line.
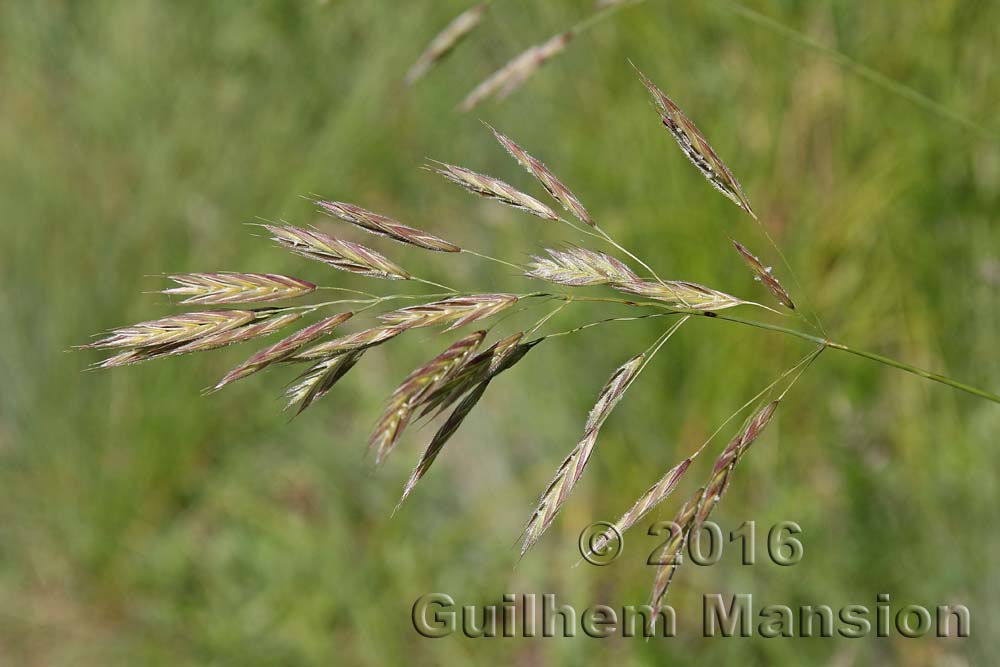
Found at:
[452, 383]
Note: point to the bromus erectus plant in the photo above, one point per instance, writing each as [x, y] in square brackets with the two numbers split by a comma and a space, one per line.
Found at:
[453, 381]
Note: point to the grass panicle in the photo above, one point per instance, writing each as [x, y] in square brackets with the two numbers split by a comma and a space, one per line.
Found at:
[458, 378]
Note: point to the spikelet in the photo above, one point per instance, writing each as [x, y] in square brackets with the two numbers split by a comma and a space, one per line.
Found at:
[174, 329]
[573, 465]
[580, 266]
[319, 378]
[458, 311]
[478, 368]
[361, 340]
[506, 79]
[445, 41]
[267, 325]
[552, 185]
[132, 356]
[501, 356]
[764, 275]
[226, 287]
[385, 226]
[441, 436]
[694, 145]
[726, 463]
[210, 342]
[682, 294]
[650, 499]
[339, 254]
[414, 388]
[492, 188]
[670, 556]
[283, 349]
[698, 508]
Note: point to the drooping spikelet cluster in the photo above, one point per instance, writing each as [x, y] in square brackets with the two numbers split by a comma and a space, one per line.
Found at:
[457, 378]
[468, 383]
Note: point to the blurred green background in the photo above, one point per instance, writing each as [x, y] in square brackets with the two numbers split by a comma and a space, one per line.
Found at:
[142, 523]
